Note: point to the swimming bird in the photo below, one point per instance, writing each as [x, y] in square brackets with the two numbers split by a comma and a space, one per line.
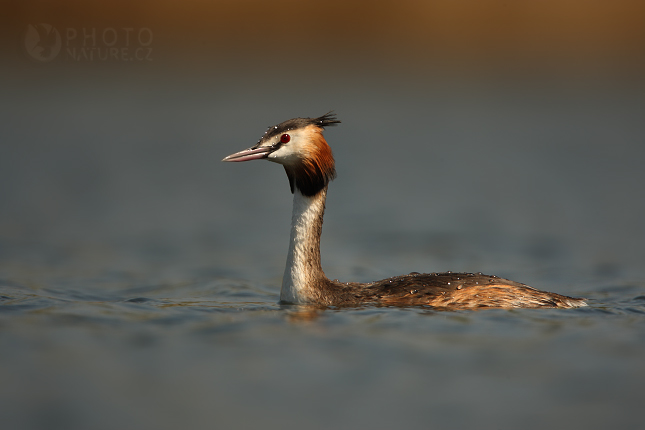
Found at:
[298, 144]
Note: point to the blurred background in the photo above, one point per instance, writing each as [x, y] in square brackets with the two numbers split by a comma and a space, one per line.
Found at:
[506, 118]
[478, 135]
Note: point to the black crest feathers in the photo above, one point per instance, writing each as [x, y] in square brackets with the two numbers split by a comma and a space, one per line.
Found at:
[327, 120]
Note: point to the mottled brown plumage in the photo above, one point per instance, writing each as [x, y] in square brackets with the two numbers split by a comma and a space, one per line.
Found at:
[445, 290]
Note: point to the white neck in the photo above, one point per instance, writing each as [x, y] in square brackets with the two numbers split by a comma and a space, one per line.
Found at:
[303, 272]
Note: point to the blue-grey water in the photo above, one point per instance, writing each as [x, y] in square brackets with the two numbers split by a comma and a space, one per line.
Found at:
[139, 275]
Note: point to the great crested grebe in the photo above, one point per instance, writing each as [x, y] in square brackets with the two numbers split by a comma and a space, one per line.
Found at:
[298, 144]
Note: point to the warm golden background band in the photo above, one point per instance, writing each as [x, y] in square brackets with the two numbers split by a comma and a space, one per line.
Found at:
[462, 35]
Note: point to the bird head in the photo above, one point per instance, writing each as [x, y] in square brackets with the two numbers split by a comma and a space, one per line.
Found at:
[298, 144]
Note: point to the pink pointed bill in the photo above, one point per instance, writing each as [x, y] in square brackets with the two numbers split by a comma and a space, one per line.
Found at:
[249, 154]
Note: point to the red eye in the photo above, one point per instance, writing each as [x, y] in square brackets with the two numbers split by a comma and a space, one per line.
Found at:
[285, 138]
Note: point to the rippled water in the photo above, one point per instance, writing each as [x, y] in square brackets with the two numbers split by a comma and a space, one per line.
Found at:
[222, 353]
[139, 277]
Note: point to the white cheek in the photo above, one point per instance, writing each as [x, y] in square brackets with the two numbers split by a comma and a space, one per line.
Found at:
[285, 155]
